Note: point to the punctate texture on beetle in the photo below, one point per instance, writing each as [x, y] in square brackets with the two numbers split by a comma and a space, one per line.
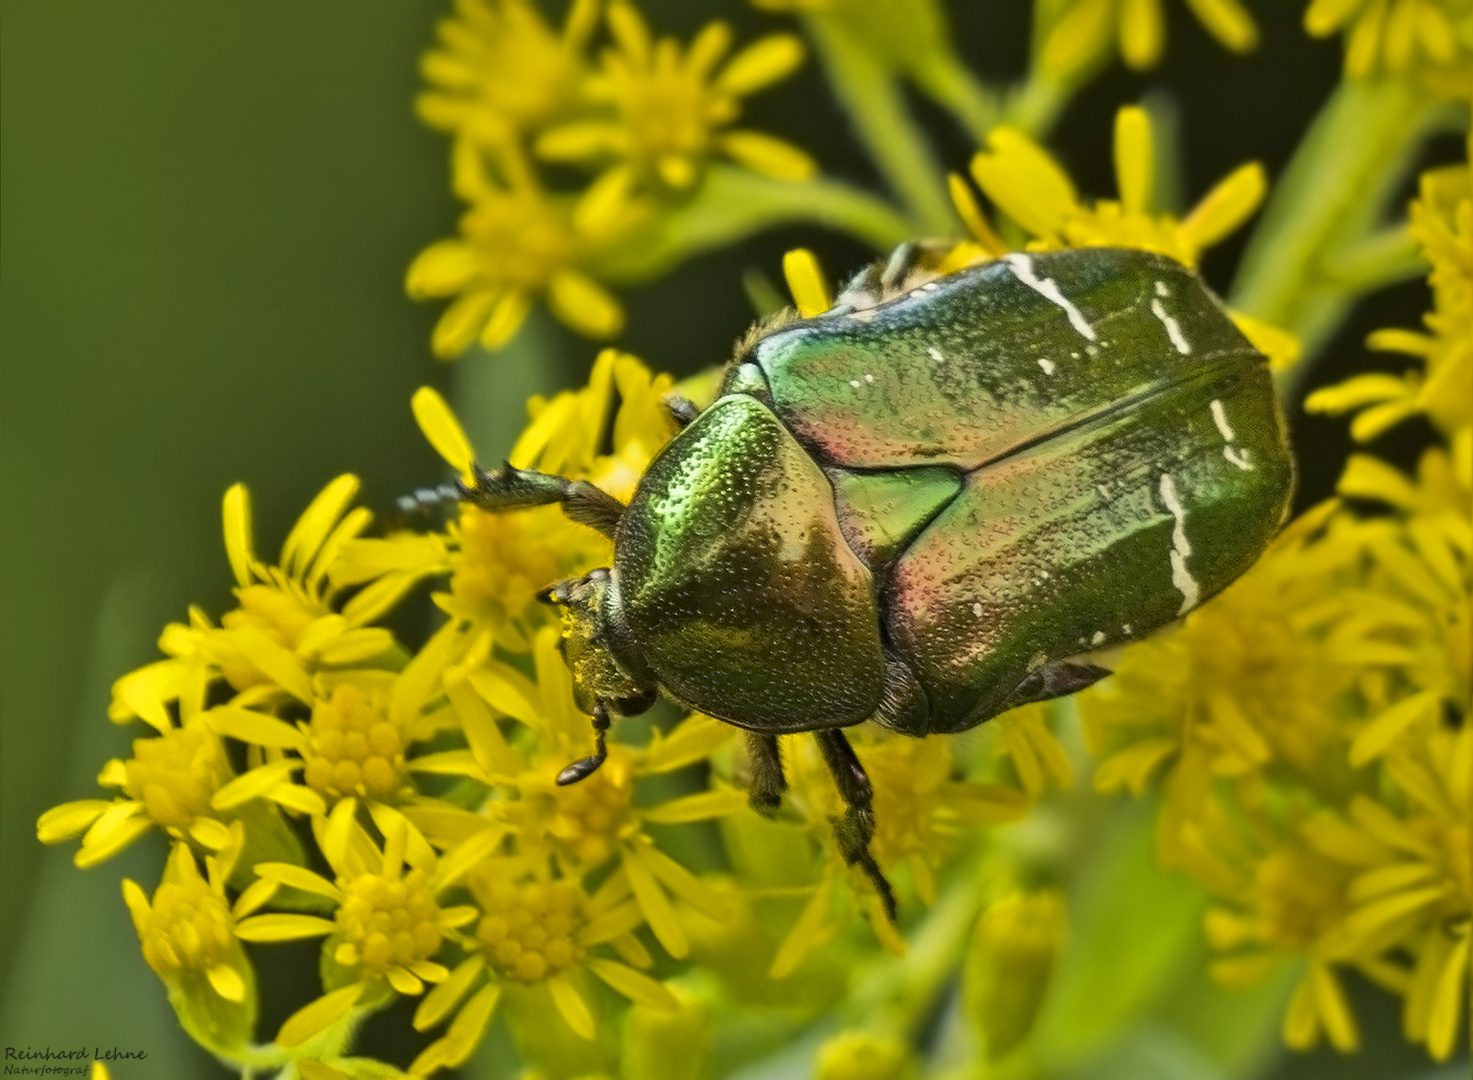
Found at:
[1026, 460]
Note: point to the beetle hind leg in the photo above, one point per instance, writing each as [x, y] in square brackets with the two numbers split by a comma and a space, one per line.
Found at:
[765, 792]
[854, 830]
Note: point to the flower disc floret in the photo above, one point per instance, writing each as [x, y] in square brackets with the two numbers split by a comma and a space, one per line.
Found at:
[591, 814]
[175, 775]
[528, 931]
[187, 929]
[355, 749]
[390, 922]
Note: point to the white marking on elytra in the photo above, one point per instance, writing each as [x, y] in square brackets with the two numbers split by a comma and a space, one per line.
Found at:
[1219, 417]
[1092, 350]
[868, 377]
[1074, 356]
[1173, 331]
[1098, 639]
[1181, 549]
[935, 354]
[1022, 268]
[1162, 290]
[864, 315]
[1047, 365]
[977, 609]
[854, 383]
[1235, 455]
[930, 286]
[1103, 489]
[1125, 628]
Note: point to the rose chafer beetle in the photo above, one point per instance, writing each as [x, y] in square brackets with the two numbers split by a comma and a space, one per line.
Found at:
[923, 507]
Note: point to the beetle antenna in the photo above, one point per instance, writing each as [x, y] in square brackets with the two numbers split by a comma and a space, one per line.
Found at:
[582, 770]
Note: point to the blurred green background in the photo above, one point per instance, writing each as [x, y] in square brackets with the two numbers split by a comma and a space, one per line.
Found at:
[207, 214]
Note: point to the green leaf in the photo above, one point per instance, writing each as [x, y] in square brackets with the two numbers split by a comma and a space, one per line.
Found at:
[1131, 922]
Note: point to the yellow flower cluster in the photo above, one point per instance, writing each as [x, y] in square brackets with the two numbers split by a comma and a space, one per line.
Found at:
[1430, 38]
[642, 118]
[1310, 729]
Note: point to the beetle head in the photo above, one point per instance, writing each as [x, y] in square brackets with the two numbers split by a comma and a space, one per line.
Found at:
[606, 668]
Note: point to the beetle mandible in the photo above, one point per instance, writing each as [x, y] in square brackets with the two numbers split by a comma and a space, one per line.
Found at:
[923, 507]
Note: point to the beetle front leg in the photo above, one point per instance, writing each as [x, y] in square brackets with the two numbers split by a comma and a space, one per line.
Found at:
[854, 830]
[765, 793]
[582, 770]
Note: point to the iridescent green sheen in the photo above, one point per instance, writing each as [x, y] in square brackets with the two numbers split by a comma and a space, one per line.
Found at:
[737, 585]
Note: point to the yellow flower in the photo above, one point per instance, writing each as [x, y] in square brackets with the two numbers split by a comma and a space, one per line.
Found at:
[921, 816]
[535, 933]
[291, 622]
[1086, 27]
[1243, 684]
[169, 783]
[498, 562]
[672, 111]
[188, 928]
[587, 825]
[388, 924]
[1395, 36]
[1279, 902]
[518, 243]
[1014, 948]
[499, 69]
[1442, 222]
[1029, 186]
[1024, 737]
[1413, 877]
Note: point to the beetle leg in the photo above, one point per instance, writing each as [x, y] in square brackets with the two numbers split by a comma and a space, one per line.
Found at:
[765, 792]
[582, 770]
[854, 830]
[510, 488]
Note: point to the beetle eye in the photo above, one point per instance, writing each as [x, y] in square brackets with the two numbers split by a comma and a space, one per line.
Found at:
[635, 704]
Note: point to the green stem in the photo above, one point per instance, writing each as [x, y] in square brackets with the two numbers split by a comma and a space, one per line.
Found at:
[898, 998]
[871, 95]
[1330, 199]
[1035, 105]
[734, 203]
[953, 86]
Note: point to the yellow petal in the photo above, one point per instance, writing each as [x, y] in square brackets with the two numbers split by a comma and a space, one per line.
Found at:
[299, 877]
[283, 927]
[762, 63]
[1231, 202]
[1228, 21]
[1025, 183]
[655, 904]
[318, 1015]
[505, 319]
[444, 997]
[69, 819]
[970, 211]
[571, 1005]
[442, 269]
[1142, 32]
[584, 305]
[806, 933]
[442, 429]
[806, 282]
[461, 322]
[769, 156]
[237, 514]
[1442, 1025]
[227, 982]
[316, 523]
[632, 984]
[1135, 158]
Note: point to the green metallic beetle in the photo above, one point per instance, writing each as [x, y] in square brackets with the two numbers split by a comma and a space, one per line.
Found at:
[922, 506]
